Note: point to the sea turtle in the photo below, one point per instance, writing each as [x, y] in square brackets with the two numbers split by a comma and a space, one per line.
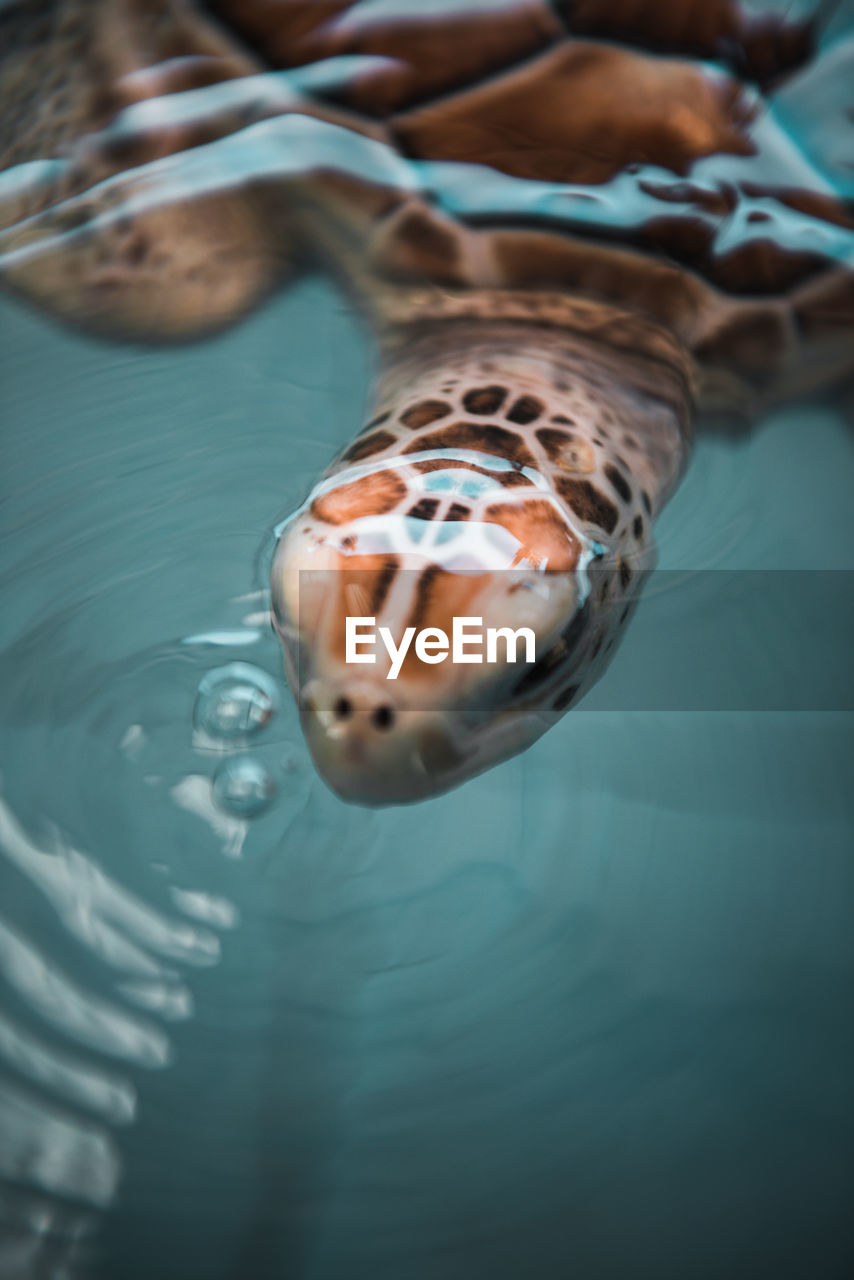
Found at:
[571, 224]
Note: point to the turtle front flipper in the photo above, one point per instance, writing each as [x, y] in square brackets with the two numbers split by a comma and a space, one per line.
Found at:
[89, 234]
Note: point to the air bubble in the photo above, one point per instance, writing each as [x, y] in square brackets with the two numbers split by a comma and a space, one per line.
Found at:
[243, 787]
[234, 701]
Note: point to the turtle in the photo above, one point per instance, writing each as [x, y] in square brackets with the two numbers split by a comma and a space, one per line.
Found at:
[574, 228]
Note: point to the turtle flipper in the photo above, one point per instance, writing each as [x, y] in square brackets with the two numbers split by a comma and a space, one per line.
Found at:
[64, 64]
[75, 242]
[168, 271]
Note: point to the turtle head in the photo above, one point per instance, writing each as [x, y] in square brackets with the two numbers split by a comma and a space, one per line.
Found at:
[458, 578]
[414, 671]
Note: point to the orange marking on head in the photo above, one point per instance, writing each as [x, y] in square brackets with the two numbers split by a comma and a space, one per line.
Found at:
[371, 495]
[544, 537]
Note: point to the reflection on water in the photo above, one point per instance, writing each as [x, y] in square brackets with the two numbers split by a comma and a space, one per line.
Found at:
[588, 1015]
[45, 1146]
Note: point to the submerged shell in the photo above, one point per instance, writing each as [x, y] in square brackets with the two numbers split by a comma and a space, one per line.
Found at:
[568, 163]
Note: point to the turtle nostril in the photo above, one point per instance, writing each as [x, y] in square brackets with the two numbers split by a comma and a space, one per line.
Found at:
[343, 709]
[383, 718]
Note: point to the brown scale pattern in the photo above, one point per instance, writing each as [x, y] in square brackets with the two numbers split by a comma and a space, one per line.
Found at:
[483, 436]
[423, 413]
[588, 503]
[542, 533]
[424, 509]
[619, 482]
[535, 524]
[367, 446]
[554, 442]
[484, 400]
[524, 410]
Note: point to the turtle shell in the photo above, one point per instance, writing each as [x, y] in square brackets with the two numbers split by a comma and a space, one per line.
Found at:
[570, 163]
[437, 47]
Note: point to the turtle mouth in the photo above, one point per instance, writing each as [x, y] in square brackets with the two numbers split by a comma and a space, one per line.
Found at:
[374, 751]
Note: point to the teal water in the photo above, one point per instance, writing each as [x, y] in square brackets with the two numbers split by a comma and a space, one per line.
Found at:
[590, 1014]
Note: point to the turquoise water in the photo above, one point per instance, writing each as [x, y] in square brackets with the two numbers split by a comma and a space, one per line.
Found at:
[589, 1014]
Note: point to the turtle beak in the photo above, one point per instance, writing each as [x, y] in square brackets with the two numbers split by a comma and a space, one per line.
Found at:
[372, 750]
